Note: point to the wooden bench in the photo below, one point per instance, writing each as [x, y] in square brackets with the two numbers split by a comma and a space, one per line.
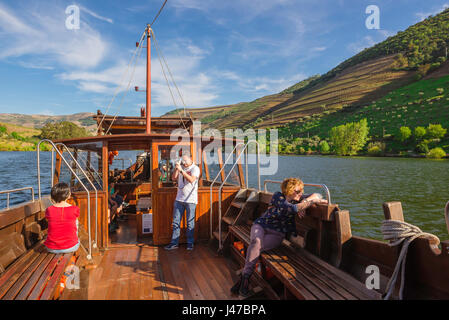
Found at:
[308, 265]
[36, 275]
[307, 276]
[27, 270]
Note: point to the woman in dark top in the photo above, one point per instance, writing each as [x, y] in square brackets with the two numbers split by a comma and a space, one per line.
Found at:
[270, 228]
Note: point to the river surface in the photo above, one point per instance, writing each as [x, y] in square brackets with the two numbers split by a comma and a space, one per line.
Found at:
[357, 184]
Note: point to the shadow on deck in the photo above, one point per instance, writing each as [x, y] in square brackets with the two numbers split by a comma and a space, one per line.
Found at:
[134, 271]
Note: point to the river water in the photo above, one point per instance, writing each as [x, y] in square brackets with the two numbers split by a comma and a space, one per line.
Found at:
[357, 184]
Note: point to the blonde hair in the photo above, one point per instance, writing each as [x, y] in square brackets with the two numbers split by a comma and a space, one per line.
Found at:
[289, 184]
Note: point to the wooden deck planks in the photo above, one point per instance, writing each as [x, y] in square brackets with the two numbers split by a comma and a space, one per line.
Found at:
[150, 272]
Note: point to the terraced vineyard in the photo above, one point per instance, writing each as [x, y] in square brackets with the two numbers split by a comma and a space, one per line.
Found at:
[418, 104]
[356, 85]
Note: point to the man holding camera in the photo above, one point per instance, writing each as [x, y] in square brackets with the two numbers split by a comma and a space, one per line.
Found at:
[187, 174]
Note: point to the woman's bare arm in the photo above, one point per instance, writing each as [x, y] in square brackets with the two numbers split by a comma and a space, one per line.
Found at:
[307, 202]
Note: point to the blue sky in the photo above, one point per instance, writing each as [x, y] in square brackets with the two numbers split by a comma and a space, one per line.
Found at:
[220, 52]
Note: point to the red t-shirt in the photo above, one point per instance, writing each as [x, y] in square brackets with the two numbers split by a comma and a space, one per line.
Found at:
[62, 230]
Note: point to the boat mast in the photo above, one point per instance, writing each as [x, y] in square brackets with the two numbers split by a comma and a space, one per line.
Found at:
[148, 90]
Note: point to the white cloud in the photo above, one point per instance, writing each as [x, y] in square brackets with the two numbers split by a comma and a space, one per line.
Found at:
[369, 41]
[43, 34]
[35, 66]
[358, 46]
[46, 112]
[423, 15]
[261, 85]
[195, 86]
[95, 15]
[39, 39]
[318, 49]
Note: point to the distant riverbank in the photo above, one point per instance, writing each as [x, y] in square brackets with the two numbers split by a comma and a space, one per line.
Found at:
[388, 155]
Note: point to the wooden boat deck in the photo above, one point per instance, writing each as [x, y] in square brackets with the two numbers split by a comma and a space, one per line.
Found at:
[130, 270]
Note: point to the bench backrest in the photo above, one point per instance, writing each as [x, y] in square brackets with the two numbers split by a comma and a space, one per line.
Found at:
[12, 246]
[21, 227]
[323, 230]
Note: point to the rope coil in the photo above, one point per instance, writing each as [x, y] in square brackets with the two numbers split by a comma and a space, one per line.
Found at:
[397, 232]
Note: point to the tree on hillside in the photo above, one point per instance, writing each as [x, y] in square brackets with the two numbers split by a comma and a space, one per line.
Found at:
[423, 69]
[401, 61]
[324, 147]
[436, 153]
[419, 133]
[435, 131]
[348, 139]
[62, 130]
[404, 133]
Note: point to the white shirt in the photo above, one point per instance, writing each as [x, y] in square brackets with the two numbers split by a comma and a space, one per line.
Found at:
[188, 192]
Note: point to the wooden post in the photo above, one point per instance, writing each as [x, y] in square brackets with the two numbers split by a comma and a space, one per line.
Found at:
[198, 153]
[393, 211]
[103, 218]
[105, 166]
[88, 161]
[220, 163]
[98, 123]
[240, 170]
[344, 233]
[72, 177]
[206, 167]
[148, 91]
[57, 166]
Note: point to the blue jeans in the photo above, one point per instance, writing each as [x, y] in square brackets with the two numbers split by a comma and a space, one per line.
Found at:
[178, 212]
[72, 249]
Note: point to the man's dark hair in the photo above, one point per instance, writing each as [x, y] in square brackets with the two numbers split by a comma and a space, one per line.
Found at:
[60, 192]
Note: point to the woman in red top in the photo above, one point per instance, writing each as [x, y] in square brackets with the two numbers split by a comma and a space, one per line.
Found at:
[62, 222]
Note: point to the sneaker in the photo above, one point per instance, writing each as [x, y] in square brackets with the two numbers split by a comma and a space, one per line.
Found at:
[112, 227]
[190, 246]
[244, 285]
[236, 287]
[171, 246]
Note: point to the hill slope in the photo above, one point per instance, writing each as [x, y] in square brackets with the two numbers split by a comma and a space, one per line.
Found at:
[365, 77]
[17, 138]
[419, 104]
[37, 121]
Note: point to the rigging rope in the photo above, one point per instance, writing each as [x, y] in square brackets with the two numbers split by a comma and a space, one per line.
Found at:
[173, 80]
[127, 89]
[160, 10]
[117, 90]
[398, 232]
[171, 75]
[167, 81]
[159, 50]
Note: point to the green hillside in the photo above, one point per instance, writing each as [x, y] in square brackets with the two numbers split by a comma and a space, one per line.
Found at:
[37, 121]
[366, 77]
[18, 138]
[418, 104]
